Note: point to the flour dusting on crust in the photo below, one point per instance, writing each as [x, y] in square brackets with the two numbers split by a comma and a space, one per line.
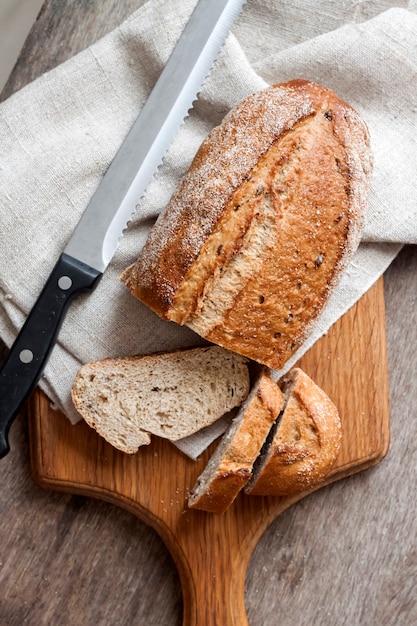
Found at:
[223, 161]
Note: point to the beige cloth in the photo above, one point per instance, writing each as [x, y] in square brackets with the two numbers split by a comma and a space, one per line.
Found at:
[58, 134]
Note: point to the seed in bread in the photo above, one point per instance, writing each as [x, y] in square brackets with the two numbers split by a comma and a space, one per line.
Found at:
[172, 395]
[262, 225]
[304, 443]
[230, 467]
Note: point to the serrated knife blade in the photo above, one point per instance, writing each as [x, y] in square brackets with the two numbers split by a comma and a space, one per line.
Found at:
[96, 237]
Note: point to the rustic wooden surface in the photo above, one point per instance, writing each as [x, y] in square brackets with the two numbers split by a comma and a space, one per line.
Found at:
[212, 552]
[345, 555]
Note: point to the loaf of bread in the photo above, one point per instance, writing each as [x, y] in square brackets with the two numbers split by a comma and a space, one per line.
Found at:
[171, 395]
[230, 467]
[260, 228]
[303, 444]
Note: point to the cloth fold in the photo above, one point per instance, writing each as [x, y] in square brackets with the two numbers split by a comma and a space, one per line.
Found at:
[58, 135]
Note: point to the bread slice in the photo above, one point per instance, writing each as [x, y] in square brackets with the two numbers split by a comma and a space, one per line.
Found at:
[304, 443]
[171, 395]
[262, 225]
[230, 467]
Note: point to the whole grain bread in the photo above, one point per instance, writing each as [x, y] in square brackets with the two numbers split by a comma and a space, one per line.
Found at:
[171, 395]
[303, 444]
[230, 467]
[262, 225]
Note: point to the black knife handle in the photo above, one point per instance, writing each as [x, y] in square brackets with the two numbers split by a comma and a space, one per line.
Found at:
[29, 353]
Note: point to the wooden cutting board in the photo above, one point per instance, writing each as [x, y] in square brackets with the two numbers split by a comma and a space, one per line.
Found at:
[212, 552]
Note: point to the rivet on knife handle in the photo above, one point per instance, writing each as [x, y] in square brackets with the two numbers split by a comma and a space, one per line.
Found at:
[29, 353]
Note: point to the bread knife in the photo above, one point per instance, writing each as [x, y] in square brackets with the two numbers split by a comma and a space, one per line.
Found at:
[96, 237]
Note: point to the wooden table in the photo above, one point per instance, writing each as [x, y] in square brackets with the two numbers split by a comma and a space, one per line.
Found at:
[345, 555]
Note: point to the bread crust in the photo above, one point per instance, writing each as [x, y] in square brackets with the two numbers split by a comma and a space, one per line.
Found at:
[305, 444]
[270, 211]
[230, 467]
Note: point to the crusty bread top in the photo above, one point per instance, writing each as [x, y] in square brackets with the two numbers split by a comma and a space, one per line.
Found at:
[223, 163]
[172, 395]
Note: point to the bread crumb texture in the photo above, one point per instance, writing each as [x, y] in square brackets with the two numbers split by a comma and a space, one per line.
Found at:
[172, 395]
[260, 228]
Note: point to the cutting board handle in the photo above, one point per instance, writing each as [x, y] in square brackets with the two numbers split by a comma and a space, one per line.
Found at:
[212, 575]
[213, 571]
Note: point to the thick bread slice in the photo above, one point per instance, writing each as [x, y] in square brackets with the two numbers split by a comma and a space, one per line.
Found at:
[171, 395]
[230, 467]
[303, 444]
[271, 209]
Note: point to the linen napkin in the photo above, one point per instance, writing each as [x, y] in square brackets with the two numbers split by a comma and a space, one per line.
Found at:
[58, 135]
